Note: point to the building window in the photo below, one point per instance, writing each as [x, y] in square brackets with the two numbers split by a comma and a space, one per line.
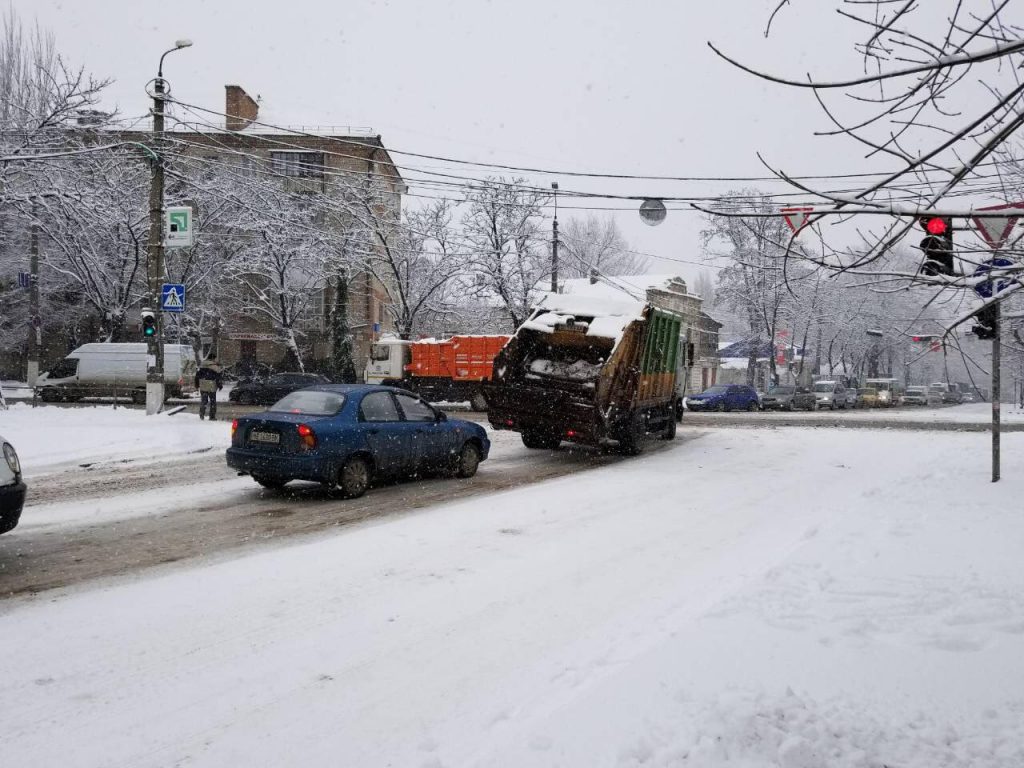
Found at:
[301, 165]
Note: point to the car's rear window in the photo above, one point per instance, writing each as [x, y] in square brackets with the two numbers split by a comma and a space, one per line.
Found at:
[310, 403]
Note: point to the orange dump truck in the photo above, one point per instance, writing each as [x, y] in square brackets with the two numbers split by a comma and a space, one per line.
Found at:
[450, 370]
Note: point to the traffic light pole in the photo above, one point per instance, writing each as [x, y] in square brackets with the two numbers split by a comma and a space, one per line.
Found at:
[995, 397]
[155, 343]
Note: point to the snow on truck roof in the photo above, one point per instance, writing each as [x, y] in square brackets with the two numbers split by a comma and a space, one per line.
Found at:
[609, 317]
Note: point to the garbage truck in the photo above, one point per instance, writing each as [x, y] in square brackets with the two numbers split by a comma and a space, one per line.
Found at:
[439, 370]
[589, 371]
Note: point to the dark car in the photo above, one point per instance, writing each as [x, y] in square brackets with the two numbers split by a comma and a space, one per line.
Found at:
[788, 398]
[272, 389]
[724, 397]
[347, 435]
[12, 487]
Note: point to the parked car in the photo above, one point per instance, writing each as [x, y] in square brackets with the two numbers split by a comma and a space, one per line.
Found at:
[969, 397]
[937, 394]
[347, 435]
[788, 398]
[867, 397]
[724, 397]
[952, 396]
[916, 396]
[12, 487]
[269, 391]
[830, 394]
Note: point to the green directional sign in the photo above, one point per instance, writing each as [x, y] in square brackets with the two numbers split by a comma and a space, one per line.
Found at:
[178, 227]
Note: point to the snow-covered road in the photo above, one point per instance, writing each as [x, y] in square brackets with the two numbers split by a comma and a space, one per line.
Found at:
[708, 604]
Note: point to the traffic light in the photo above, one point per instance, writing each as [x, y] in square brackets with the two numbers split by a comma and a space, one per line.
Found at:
[937, 247]
[148, 324]
[988, 323]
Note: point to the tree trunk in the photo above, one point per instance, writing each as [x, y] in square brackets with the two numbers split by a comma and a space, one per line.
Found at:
[342, 365]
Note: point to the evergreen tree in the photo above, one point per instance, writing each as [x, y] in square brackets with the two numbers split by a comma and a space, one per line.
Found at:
[342, 365]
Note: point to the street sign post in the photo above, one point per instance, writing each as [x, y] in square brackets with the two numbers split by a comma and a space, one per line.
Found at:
[172, 297]
[996, 225]
[178, 227]
[796, 217]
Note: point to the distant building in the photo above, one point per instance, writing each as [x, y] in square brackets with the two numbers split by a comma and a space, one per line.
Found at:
[310, 159]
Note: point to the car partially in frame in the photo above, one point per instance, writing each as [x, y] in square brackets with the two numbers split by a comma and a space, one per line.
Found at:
[348, 435]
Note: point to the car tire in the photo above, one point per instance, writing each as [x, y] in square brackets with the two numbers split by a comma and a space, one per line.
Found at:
[139, 398]
[272, 483]
[478, 402]
[753, 406]
[354, 477]
[721, 408]
[468, 461]
[790, 407]
[245, 398]
[538, 441]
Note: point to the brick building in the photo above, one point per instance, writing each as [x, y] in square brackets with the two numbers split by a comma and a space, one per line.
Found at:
[311, 160]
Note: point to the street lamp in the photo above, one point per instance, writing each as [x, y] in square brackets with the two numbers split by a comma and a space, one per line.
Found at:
[155, 265]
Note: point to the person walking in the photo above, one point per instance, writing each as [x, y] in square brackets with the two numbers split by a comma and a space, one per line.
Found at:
[208, 381]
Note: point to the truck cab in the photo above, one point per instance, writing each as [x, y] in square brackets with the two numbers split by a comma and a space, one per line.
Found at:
[388, 358]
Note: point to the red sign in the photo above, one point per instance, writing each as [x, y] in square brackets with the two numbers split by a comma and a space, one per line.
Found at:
[996, 228]
[796, 217]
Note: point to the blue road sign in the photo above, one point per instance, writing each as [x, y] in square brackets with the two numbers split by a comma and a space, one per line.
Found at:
[984, 289]
[172, 297]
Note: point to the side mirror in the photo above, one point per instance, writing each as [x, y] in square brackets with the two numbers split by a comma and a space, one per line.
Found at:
[442, 416]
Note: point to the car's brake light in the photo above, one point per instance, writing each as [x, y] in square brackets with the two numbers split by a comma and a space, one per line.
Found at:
[307, 436]
[234, 427]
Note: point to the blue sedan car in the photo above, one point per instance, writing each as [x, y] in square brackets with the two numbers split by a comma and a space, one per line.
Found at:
[346, 435]
[724, 397]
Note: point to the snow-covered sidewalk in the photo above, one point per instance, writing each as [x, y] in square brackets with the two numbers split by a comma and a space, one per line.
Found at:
[49, 438]
[705, 605]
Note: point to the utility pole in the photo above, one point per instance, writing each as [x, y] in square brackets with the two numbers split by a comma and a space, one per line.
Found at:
[155, 265]
[155, 343]
[995, 396]
[554, 242]
[34, 321]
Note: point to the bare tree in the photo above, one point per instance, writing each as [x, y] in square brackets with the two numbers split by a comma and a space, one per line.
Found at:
[502, 229]
[915, 103]
[597, 244]
[416, 260]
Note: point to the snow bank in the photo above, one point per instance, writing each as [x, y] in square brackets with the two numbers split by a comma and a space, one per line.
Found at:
[49, 436]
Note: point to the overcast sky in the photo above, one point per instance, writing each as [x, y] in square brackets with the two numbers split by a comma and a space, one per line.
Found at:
[585, 85]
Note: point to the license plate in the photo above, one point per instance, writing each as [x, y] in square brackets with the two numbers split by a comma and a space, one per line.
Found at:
[264, 437]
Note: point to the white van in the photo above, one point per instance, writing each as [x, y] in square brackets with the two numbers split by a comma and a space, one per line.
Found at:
[116, 370]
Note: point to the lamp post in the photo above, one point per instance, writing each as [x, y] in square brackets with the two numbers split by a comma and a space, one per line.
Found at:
[155, 265]
[554, 241]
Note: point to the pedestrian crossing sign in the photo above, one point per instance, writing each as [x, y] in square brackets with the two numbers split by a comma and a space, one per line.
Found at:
[172, 297]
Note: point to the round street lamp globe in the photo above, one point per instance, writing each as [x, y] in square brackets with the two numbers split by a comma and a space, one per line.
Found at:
[653, 212]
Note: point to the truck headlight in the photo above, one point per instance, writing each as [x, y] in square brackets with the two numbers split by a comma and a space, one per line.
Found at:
[12, 458]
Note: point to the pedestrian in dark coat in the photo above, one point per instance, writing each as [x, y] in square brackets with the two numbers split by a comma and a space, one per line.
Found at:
[209, 379]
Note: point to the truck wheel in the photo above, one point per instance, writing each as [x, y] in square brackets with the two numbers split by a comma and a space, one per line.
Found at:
[670, 430]
[540, 441]
[468, 461]
[47, 394]
[478, 402]
[631, 439]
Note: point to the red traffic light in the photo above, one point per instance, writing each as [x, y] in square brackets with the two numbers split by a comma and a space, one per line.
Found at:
[935, 225]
